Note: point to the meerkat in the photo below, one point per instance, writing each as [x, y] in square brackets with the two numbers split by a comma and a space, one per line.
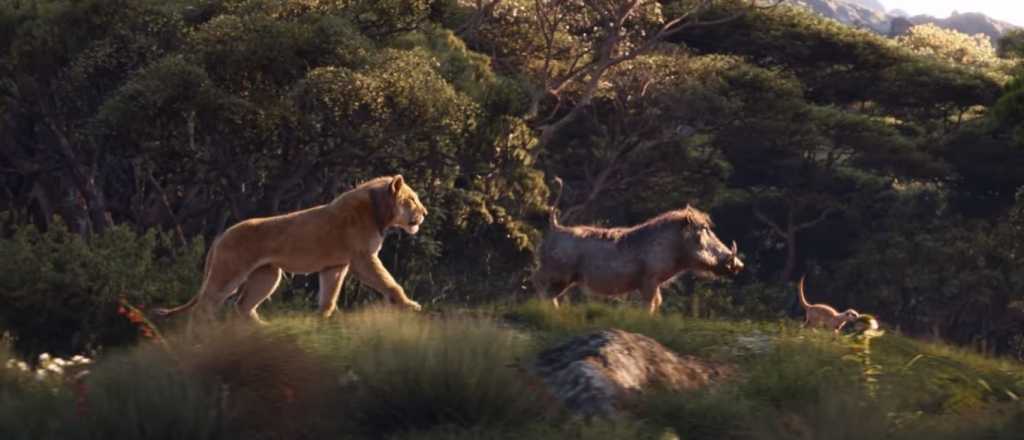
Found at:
[823, 315]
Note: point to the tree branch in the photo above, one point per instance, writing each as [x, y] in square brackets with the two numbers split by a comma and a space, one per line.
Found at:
[824, 214]
[764, 219]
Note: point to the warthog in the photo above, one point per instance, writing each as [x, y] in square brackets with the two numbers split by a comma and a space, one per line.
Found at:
[616, 261]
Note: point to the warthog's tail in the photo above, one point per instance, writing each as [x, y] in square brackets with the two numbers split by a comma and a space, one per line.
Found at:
[800, 293]
[553, 209]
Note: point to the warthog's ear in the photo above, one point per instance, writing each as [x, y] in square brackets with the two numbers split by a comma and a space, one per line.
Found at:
[396, 183]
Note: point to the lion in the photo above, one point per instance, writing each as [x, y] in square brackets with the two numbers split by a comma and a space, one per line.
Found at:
[348, 232]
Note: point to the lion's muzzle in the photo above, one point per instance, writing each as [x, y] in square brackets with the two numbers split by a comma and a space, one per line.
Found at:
[414, 224]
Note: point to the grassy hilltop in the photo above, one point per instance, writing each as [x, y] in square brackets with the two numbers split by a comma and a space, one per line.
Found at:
[460, 373]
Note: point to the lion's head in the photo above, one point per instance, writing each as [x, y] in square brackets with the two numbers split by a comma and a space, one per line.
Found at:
[409, 213]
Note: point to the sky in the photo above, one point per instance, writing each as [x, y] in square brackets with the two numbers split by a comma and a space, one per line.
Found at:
[1005, 10]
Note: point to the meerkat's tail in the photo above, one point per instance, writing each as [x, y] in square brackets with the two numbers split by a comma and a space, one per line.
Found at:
[553, 209]
[800, 293]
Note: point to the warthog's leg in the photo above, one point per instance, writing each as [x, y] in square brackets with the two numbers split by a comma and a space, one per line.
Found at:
[652, 293]
[550, 290]
[371, 271]
[559, 291]
[331, 280]
[257, 288]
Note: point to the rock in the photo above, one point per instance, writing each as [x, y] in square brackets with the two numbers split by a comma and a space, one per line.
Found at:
[594, 375]
[899, 26]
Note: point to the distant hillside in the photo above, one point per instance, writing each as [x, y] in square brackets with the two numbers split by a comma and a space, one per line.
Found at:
[851, 12]
[969, 23]
[873, 5]
[871, 14]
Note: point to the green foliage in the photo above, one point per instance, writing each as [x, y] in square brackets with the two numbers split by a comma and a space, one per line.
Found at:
[447, 372]
[1009, 110]
[63, 293]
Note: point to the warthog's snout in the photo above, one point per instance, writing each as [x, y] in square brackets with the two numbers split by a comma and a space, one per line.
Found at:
[733, 265]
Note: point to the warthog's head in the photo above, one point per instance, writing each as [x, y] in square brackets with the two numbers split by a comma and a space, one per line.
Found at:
[712, 255]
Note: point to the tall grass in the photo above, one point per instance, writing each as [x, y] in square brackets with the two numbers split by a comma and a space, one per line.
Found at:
[385, 373]
[413, 372]
[682, 334]
[144, 394]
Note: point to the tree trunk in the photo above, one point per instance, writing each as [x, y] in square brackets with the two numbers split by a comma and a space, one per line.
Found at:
[790, 266]
[84, 177]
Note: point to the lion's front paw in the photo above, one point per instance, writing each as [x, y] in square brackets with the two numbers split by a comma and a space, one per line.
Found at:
[414, 305]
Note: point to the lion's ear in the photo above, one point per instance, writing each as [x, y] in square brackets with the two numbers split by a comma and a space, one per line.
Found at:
[396, 183]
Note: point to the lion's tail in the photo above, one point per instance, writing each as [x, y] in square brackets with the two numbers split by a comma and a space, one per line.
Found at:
[800, 293]
[553, 209]
[164, 312]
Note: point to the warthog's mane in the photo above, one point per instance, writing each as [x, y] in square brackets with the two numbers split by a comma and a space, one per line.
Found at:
[688, 216]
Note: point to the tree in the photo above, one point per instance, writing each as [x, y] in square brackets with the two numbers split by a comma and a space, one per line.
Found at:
[577, 42]
[854, 68]
[801, 163]
[951, 45]
[60, 60]
[193, 118]
[646, 128]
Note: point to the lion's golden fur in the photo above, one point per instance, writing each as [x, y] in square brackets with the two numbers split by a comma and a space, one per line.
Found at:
[250, 256]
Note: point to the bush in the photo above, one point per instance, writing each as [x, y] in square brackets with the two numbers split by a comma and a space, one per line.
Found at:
[414, 372]
[29, 408]
[61, 290]
[145, 394]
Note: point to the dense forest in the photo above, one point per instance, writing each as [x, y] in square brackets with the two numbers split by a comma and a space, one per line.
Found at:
[889, 171]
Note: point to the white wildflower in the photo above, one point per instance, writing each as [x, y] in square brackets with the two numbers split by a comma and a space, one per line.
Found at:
[43, 357]
[40, 375]
[53, 367]
[79, 359]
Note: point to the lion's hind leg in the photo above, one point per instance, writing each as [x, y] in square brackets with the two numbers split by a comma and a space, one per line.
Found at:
[222, 282]
[260, 284]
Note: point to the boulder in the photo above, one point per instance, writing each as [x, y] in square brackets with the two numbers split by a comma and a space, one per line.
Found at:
[594, 375]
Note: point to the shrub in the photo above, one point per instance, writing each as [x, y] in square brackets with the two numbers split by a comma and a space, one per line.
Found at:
[60, 290]
[29, 408]
[415, 372]
[144, 394]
